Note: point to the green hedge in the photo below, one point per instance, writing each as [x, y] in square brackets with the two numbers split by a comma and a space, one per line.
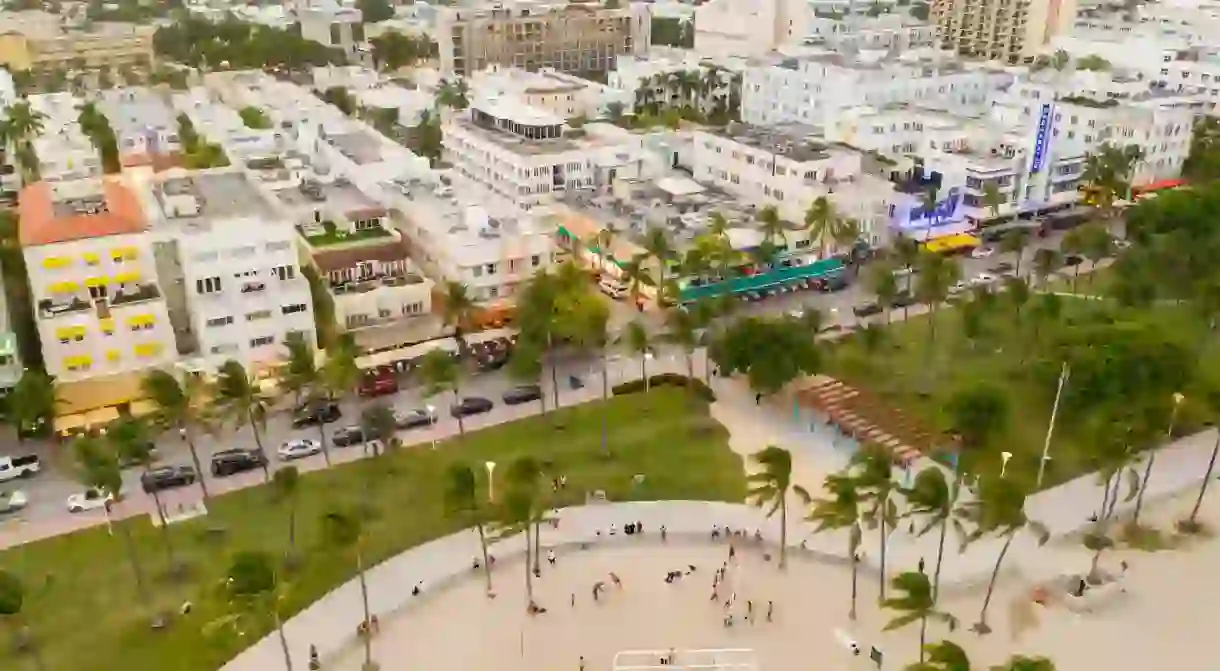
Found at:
[666, 380]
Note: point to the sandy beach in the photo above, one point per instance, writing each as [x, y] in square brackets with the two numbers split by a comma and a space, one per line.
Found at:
[1162, 616]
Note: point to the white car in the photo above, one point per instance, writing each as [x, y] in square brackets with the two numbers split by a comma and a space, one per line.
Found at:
[983, 279]
[11, 502]
[298, 448]
[90, 499]
[982, 252]
[959, 287]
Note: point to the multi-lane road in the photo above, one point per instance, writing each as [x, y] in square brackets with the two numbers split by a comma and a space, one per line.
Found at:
[47, 512]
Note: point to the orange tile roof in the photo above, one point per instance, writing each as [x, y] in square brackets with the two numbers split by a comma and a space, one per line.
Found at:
[40, 226]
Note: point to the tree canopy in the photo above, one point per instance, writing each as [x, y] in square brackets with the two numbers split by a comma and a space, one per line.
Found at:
[770, 352]
[239, 46]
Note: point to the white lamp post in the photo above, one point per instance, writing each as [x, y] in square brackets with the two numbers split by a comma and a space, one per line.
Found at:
[491, 483]
[1004, 457]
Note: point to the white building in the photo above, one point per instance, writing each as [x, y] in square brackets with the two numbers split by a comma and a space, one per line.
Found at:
[745, 28]
[815, 88]
[238, 289]
[453, 239]
[333, 25]
[659, 78]
[557, 93]
[10, 358]
[375, 284]
[64, 152]
[372, 89]
[144, 124]
[98, 302]
[896, 31]
[520, 156]
[789, 167]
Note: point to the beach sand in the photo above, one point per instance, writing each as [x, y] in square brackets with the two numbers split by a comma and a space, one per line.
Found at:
[1162, 617]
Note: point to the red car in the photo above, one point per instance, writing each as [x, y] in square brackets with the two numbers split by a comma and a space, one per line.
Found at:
[378, 383]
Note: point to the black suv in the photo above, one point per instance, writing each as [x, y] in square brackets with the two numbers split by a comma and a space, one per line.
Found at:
[228, 462]
[167, 477]
[348, 435]
[866, 310]
[310, 414]
[522, 394]
[471, 405]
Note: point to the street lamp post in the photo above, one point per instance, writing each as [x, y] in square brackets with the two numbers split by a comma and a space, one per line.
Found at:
[491, 483]
[1004, 458]
[1050, 429]
[1173, 416]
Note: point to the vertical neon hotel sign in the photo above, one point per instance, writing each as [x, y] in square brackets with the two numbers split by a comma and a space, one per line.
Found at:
[1041, 139]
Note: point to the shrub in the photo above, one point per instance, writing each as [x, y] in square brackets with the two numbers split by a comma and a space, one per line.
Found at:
[696, 385]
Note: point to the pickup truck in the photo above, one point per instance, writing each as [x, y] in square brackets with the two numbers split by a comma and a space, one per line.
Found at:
[24, 466]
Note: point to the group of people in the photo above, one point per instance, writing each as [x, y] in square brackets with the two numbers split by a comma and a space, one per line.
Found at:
[731, 533]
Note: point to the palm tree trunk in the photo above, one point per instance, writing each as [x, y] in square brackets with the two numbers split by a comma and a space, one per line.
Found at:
[137, 570]
[258, 442]
[279, 629]
[550, 356]
[1016, 267]
[605, 406]
[1139, 497]
[1105, 496]
[364, 601]
[537, 544]
[529, 576]
[1207, 478]
[461, 422]
[982, 627]
[783, 531]
[644, 370]
[483, 546]
[881, 527]
[940, 557]
[855, 563]
[923, 636]
[203, 483]
[169, 544]
[322, 441]
[292, 526]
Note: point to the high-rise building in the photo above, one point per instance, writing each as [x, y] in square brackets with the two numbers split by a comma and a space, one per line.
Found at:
[1002, 30]
[571, 38]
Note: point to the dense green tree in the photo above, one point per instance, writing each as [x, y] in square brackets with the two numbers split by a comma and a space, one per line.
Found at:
[771, 352]
[393, 50]
[942, 656]
[1203, 162]
[375, 11]
[236, 45]
[426, 138]
[673, 32]
[31, 404]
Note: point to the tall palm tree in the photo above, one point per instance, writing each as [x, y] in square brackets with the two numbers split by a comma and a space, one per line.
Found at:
[457, 308]
[1191, 524]
[301, 377]
[841, 511]
[1014, 242]
[285, 485]
[998, 509]
[916, 603]
[519, 511]
[638, 341]
[344, 529]
[772, 227]
[936, 276]
[180, 406]
[129, 442]
[717, 225]
[872, 468]
[237, 396]
[943, 656]
[463, 501]
[1096, 243]
[12, 603]
[682, 329]
[378, 427]
[931, 497]
[255, 589]
[634, 273]
[992, 198]
[439, 373]
[906, 252]
[820, 220]
[1046, 262]
[657, 247]
[770, 486]
[603, 240]
[884, 285]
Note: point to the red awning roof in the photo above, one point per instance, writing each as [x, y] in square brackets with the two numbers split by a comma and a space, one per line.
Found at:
[1159, 185]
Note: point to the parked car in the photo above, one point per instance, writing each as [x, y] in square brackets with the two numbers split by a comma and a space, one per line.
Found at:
[127, 461]
[522, 394]
[228, 462]
[959, 287]
[1002, 268]
[470, 405]
[983, 279]
[23, 466]
[982, 252]
[414, 419]
[298, 448]
[90, 499]
[347, 436]
[381, 382]
[866, 310]
[612, 287]
[1073, 260]
[904, 299]
[167, 477]
[11, 502]
[310, 414]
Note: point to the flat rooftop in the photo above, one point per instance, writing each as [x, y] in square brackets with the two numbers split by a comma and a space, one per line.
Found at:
[131, 110]
[49, 217]
[218, 196]
[340, 195]
[358, 146]
[795, 141]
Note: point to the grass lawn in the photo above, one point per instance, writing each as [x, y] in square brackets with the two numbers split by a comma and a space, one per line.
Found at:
[83, 602]
[920, 379]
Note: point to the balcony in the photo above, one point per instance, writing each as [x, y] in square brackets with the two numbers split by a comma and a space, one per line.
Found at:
[139, 294]
[48, 308]
[371, 283]
[253, 287]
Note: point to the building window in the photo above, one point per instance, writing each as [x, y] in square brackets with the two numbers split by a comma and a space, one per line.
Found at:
[208, 285]
[284, 272]
[535, 260]
[262, 342]
[220, 321]
[491, 269]
[258, 315]
[294, 308]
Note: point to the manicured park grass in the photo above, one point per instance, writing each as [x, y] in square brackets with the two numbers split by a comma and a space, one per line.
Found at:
[921, 379]
[84, 607]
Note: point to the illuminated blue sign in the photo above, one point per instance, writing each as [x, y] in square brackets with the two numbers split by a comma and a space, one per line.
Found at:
[913, 214]
[1041, 139]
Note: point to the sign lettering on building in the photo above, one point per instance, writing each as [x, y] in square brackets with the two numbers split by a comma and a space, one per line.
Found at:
[1041, 139]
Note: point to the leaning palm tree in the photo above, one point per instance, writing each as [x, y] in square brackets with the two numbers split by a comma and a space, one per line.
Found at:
[344, 530]
[936, 276]
[998, 509]
[943, 656]
[872, 470]
[931, 498]
[682, 329]
[916, 603]
[23, 123]
[638, 341]
[439, 372]
[770, 486]
[253, 590]
[463, 501]
[128, 441]
[237, 396]
[820, 221]
[658, 248]
[771, 226]
[841, 511]
[301, 377]
[180, 406]
[1191, 523]
[457, 308]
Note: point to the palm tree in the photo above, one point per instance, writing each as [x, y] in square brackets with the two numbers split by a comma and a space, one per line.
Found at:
[943, 656]
[340, 376]
[1108, 172]
[841, 511]
[657, 247]
[603, 241]
[237, 395]
[440, 373]
[12, 601]
[285, 485]
[1191, 524]
[639, 342]
[1096, 243]
[31, 404]
[931, 498]
[906, 253]
[23, 123]
[992, 198]
[936, 276]
[928, 201]
[519, 511]
[181, 407]
[682, 329]
[884, 284]
[872, 470]
[998, 509]
[916, 603]
[302, 378]
[771, 226]
[770, 486]
[378, 426]
[129, 443]
[463, 501]
[254, 589]
[634, 274]
[457, 309]
[1046, 262]
[345, 529]
[820, 220]
[1073, 243]
[1014, 242]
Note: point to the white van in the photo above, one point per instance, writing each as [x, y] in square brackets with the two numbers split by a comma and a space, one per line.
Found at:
[612, 287]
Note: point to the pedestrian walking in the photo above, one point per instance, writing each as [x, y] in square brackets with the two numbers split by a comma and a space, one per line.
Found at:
[614, 577]
[770, 609]
[663, 533]
[639, 527]
[573, 599]
[550, 557]
[732, 551]
[750, 611]
[582, 663]
[921, 564]
[314, 663]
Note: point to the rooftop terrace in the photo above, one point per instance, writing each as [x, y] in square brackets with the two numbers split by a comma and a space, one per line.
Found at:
[196, 201]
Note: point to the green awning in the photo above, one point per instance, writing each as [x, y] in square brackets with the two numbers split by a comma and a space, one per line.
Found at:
[777, 277]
